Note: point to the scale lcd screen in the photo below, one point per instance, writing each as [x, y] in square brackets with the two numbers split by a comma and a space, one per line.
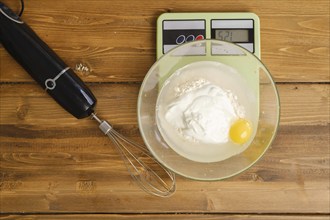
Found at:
[232, 35]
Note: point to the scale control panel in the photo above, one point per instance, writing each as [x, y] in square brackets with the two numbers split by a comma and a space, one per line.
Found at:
[174, 29]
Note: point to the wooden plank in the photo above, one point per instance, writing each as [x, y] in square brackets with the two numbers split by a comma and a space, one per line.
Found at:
[51, 162]
[292, 178]
[164, 217]
[116, 42]
[296, 110]
[21, 104]
[301, 38]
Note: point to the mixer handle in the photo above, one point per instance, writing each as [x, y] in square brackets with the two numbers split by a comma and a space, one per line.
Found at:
[44, 65]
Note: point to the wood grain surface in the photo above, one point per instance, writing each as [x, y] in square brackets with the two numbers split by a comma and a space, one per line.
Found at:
[54, 166]
[166, 217]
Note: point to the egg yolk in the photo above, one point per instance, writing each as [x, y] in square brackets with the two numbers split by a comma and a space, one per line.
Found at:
[240, 131]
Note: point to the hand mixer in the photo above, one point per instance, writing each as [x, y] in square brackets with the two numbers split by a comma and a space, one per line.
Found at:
[73, 95]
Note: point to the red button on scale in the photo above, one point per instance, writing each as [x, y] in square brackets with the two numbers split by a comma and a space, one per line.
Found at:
[199, 37]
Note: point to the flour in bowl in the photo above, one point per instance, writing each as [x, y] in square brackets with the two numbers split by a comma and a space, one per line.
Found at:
[204, 113]
[197, 106]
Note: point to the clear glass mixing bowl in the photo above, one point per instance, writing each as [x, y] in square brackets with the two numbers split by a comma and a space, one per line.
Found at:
[231, 55]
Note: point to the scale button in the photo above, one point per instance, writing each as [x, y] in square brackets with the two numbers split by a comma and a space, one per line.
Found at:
[199, 37]
[190, 38]
[180, 40]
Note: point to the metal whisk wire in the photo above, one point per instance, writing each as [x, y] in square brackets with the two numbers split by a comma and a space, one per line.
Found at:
[142, 173]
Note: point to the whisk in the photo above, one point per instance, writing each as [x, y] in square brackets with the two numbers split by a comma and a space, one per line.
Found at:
[141, 165]
[60, 81]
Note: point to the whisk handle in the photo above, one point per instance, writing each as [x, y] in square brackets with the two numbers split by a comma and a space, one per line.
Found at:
[44, 65]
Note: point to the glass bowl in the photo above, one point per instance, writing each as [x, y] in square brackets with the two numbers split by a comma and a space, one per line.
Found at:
[258, 79]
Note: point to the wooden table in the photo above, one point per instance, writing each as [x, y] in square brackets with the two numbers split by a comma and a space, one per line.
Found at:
[54, 166]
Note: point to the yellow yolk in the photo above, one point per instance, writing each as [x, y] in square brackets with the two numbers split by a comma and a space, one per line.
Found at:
[240, 131]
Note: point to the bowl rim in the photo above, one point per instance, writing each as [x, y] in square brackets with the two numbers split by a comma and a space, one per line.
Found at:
[278, 115]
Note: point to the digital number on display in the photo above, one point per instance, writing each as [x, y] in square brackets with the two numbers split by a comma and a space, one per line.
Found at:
[232, 35]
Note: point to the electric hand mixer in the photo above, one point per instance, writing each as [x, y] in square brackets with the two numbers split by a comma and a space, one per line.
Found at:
[72, 94]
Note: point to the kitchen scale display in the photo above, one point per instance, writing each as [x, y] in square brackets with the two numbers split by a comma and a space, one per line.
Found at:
[174, 29]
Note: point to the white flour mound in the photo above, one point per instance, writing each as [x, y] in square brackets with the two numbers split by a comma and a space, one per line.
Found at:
[196, 107]
[203, 112]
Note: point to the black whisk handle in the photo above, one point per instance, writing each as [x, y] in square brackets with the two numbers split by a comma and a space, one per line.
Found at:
[44, 65]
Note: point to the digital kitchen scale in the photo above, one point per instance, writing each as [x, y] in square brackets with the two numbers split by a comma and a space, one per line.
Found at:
[174, 29]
